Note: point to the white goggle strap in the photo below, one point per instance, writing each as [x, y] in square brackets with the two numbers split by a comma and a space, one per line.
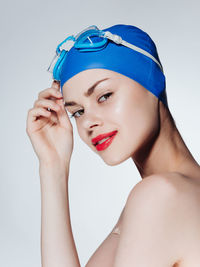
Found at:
[117, 39]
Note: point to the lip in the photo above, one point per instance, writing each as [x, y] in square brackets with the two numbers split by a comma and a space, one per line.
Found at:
[106, 143]
[102, 136]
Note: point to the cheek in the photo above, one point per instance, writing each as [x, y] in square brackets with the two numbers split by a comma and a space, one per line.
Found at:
[121, 111]
[115, 106]
[135, 120]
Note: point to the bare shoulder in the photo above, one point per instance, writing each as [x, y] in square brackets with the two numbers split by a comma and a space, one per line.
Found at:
[170, 194]
[150, 222]
[167, 184]
[154, 226]
[153, 194]
[155, 229]
[155, 185]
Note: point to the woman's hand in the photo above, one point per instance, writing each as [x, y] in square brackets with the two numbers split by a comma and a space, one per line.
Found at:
[50, 132]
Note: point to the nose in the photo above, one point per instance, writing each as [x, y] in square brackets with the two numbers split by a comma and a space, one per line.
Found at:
[91, 120]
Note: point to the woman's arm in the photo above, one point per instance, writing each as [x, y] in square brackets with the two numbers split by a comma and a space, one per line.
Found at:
[57, 243]
[51, 134]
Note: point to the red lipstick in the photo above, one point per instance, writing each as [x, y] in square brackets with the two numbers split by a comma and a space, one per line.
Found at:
[106, 143]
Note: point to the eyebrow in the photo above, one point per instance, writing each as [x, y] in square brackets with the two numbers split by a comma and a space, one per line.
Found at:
[87, 94]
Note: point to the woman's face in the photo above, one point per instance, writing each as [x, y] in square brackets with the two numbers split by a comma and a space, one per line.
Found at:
[118, 103]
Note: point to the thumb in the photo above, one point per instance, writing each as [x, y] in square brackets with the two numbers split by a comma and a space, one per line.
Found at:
[55, 84]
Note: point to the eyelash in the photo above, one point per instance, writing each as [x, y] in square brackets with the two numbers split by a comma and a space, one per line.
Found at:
[73, 115]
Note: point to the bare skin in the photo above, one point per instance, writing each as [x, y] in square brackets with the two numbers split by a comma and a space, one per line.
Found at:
[170, 185]
[156, 147]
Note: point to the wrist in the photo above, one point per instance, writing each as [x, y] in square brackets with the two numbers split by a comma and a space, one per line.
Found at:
[55, 170]
[54, 163]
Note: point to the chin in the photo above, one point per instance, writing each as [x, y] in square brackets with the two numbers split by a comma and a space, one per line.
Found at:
[114, 161]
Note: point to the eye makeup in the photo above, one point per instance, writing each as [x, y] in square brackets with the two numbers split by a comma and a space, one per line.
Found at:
[107, 95]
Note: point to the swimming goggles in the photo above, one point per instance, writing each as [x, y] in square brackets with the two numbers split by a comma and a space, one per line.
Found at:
[82, 42]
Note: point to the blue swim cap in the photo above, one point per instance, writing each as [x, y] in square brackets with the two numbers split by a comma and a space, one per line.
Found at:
[121, 59]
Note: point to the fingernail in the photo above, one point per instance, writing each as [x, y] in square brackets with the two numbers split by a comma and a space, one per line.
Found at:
[57, 82]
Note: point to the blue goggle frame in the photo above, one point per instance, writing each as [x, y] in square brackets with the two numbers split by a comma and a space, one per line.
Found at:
[81, 43]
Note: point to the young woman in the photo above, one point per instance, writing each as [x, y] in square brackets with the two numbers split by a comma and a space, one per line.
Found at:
[116, 93]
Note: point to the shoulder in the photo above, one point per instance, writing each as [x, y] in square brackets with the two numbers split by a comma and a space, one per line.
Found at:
[148, 233]
[154, 186]
[162, 196]
[155, 193]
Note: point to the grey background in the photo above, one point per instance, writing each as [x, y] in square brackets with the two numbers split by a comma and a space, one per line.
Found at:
[30, 32]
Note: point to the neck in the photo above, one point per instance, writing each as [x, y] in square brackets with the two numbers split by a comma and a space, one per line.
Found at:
[167, 152]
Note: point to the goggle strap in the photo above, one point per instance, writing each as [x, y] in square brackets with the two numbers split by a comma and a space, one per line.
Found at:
[117, 39]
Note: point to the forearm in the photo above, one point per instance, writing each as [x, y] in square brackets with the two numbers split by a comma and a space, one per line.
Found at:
[57, 243]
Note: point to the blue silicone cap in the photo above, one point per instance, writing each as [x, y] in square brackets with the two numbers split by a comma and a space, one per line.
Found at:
[121, 59]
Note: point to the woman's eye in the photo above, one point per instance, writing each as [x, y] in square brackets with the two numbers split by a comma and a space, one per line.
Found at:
[74, 114]
[108, 94]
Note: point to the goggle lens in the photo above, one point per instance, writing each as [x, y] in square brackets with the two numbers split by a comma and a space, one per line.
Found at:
[89, 39]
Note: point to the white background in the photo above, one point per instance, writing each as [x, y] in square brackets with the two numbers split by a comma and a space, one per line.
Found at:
[30, 32]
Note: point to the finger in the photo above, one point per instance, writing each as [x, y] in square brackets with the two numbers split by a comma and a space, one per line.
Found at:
[50, 92]
[35, 113]
[56, 84]
[48, 104]
[39, 117]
